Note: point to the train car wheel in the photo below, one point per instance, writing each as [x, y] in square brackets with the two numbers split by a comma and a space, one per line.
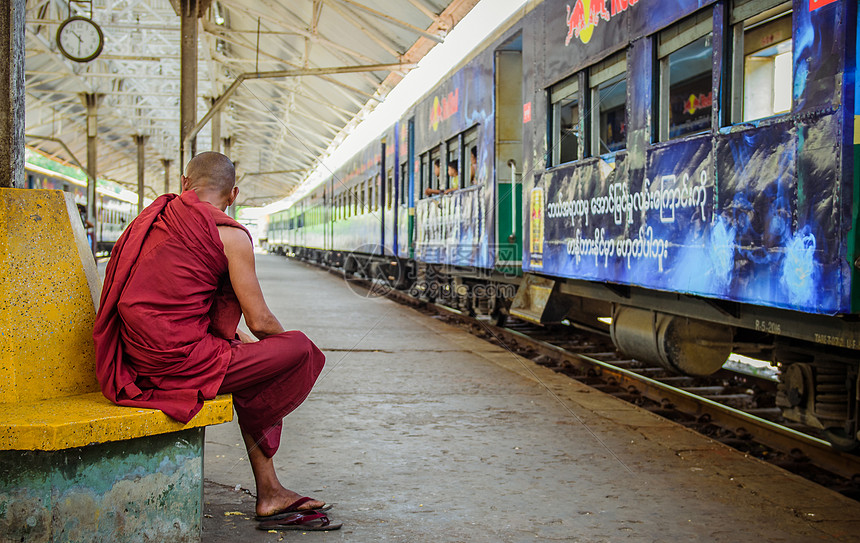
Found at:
[841, 440]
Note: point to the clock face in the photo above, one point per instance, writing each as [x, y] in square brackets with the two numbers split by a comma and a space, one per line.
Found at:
[80, 39]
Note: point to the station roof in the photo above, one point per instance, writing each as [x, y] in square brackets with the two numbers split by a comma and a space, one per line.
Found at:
[278, 126]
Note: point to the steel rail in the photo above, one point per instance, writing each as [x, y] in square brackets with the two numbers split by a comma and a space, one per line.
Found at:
[776, 436]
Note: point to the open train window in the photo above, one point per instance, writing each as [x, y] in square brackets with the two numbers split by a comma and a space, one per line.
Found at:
[389, 189]
[424, 176]
[436, 168]
[565, 127]
[375, 192]
[470, 162]
[608, 81]
[761, 59]
[374, 184]
[404, 181]
[685, 53]
[453, 164]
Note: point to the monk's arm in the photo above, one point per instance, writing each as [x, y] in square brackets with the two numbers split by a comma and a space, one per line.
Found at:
[243, 277]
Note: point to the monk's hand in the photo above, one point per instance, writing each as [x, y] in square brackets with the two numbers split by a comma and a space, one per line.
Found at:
[245, 338]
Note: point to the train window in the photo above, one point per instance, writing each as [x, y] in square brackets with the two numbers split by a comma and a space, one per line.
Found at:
[389, 189]
[685, 53]
[436, 170]
[453, 163]
[762, 59]
[423, 176]
[470, 163]
[366, 201]
[380, 193]
[366, 196]
[608, 81]
[565, 129]
[404, 182]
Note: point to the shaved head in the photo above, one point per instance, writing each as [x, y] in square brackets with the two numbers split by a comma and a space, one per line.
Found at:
[211, 171]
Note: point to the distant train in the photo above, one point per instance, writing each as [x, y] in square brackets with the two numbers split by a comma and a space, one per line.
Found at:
[113, 210]
[680, 175]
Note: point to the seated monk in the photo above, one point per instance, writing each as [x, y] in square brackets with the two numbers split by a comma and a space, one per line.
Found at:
[166, 333]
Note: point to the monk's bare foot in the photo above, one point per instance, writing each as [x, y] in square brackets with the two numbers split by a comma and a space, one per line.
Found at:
[281, 499]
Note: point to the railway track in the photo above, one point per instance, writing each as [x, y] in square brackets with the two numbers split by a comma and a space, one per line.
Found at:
[731, 407]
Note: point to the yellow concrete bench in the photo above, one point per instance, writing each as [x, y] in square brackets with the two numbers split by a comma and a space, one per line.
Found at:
[74, 466]
[87, 419]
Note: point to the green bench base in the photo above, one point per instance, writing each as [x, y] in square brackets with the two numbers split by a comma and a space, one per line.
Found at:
[144, 489]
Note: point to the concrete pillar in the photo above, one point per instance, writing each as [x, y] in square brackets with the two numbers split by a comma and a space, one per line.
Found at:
[216, 129]
[189, 11]
[91, 101]
[12, 94]
[141, 171]
[166, 163]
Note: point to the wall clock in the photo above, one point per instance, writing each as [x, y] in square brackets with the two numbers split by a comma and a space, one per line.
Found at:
[80, 39]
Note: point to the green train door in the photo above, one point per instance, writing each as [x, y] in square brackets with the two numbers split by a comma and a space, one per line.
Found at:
[509, 156]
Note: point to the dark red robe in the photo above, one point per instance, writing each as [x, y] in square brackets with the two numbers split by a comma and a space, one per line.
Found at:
[165, 330]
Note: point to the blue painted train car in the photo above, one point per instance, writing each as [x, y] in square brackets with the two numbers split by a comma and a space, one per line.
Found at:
[681, 175]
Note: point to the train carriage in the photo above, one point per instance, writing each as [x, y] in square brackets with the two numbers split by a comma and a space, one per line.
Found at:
[114, 210]
[693, 168]
[680, 175]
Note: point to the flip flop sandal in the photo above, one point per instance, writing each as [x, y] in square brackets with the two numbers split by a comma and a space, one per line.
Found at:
[305, 522]
[291, 509]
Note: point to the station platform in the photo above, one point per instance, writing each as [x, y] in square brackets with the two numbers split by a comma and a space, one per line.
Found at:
[419, 432]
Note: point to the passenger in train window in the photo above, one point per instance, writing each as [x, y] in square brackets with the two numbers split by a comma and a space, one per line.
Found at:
[88, 226]
[473, 164]
[437, 172]
[453, 176]
[166, 333]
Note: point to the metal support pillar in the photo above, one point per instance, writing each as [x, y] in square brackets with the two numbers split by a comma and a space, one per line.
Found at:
[141, 171]
[91, 101]
[189, 12]
[12, 94]
[216, 130]
[166, 163]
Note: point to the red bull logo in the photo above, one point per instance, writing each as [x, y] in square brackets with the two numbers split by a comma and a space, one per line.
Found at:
[443, 110]
[585, 15]
[694, 103]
